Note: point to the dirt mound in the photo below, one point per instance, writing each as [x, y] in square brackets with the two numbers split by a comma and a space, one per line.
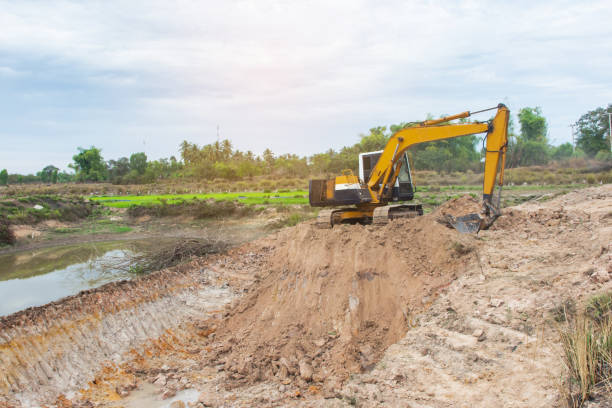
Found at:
[457, 207]
[334, 300]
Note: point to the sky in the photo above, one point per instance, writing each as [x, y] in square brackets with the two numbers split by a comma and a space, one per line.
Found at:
[293, 76]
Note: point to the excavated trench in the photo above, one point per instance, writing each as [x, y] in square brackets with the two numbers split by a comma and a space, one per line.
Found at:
[57, 348]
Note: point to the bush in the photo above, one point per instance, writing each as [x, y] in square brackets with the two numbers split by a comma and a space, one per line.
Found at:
[590, 179]
[599, 307]
[7, 237]
[241, 186]
[266, 185]
[587, 347]
[603, 155]
[606, 177]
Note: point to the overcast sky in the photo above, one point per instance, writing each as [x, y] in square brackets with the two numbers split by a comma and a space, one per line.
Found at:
[294, 76]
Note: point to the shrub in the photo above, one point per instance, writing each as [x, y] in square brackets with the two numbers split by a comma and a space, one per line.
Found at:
[590, 179]
[599, 307]
[241, 186]
[603, 155]
[7, 236]
[606, 177]
[587, 350]
[266, 185]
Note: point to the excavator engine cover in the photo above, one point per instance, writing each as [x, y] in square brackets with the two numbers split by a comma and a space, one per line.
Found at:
[324, 193]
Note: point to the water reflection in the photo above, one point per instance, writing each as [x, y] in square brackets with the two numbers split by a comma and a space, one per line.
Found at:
[37, 277]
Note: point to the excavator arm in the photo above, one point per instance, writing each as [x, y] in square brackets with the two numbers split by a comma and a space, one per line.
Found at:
[384, 173]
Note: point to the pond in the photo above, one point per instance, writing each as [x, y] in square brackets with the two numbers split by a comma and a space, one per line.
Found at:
[37, 277]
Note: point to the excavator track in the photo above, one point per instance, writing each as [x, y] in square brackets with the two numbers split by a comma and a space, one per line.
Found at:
[382, 215]
[324, 219]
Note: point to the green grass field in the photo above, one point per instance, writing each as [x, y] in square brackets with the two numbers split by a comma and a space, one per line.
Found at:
[259, 198]
[428, 195]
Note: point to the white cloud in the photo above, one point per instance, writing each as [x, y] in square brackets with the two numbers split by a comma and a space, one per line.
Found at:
[299, 76]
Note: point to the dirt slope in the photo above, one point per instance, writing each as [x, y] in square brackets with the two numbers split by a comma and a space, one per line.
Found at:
[334, 300]
[489, 339]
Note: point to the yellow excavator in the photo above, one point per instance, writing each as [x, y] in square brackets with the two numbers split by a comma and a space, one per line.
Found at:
[385, 176]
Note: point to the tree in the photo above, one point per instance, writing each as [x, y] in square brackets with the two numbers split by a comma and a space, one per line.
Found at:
[138, 162]
[89, 165]
[564, 151]
[268, 157]
[593, 131]
[531, 146]
[533, 124]
[3, 177]
[376, 140]
[49, 174]
[117, 169]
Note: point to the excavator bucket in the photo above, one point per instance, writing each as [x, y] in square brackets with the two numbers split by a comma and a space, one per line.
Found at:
[466, 224]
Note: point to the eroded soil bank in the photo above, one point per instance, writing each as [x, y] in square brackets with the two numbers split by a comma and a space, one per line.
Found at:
[411, 314]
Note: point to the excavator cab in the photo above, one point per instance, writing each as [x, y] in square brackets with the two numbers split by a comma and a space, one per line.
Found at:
[403, 188]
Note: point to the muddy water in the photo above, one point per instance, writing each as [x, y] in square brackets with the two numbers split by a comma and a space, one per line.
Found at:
[37, 277]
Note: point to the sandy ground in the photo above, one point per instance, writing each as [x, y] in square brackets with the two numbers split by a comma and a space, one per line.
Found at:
[412, 314]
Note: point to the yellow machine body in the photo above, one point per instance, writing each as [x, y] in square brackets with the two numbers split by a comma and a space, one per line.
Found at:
[369, 195]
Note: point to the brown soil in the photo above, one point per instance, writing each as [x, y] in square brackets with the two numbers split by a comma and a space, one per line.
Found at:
[460, 206]
[416, 313]
[335, 300]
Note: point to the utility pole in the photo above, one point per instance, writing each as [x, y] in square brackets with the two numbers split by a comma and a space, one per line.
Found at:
[610, 129]
[573, 143]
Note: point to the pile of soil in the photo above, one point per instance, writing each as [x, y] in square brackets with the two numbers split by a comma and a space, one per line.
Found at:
[334, 300]
[457, 207]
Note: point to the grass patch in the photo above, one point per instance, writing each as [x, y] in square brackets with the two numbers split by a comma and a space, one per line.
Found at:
[587, 347]
[284, 197]
[291, 219]
[21, 210]
[66, 230]
[599, 307]
[200, 209]
[120, 229]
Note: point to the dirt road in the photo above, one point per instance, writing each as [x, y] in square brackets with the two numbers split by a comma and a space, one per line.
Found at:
[411, 314]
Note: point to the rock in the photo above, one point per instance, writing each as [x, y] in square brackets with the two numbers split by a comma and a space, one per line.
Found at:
[478, 333]
[496, 302]
[283, 373]
[207, 399]
[306, 370]
[177, 404]
[366, 357]
[320, 342]
[168, 393]
[601, 276]
[290, 368]
[125, 386]
[319, 376]
[161, 380]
